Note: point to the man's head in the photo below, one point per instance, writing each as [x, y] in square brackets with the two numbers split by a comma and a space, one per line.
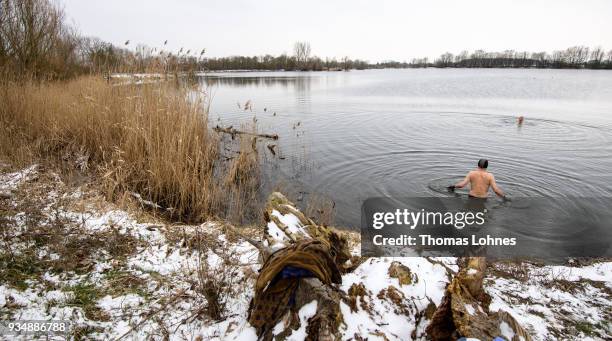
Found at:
[483, 163]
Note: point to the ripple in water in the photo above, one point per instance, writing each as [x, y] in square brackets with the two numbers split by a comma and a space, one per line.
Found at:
[403, 133]
[420, 154]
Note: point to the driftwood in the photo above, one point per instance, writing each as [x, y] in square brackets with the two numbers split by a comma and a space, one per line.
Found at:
[232, 131]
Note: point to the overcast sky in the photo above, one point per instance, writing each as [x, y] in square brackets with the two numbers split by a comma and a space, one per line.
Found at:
[372, 30]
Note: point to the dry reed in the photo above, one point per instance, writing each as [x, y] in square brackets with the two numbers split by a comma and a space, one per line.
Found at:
[150, 139]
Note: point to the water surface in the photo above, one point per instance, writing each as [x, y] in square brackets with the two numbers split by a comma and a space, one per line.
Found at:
[359, 134]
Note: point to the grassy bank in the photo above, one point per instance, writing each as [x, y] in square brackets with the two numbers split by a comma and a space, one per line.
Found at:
[150, 140]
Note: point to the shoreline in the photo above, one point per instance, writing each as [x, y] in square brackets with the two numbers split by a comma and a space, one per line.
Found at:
[208, 72]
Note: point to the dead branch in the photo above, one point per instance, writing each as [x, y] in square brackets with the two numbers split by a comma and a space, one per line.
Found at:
[271, 148]
[234, 132]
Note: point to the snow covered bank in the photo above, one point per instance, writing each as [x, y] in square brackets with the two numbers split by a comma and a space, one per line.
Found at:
[157, 288]
[114, 273]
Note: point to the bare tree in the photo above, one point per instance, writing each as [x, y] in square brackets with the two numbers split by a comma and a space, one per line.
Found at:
[576, 55]
[557, 58]
[445, 60]
[478, 54]
[35, 39]
[346, 63]
[597, 54]
[301, 49]
[508, 54]
[539, 56]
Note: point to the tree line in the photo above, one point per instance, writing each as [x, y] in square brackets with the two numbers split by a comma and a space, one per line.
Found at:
[575, 57]
[36, 41]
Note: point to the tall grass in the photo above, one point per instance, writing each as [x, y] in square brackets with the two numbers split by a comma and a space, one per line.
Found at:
[151, 139]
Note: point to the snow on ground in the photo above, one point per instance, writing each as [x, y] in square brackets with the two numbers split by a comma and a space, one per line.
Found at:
[158, 290]
[10, 181]
[382, 315]
[167, 299]
[554, 301]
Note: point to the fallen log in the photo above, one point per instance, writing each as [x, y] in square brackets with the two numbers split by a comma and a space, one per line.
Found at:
[234, 132]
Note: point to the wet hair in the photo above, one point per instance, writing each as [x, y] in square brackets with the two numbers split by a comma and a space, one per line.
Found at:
[483, 163]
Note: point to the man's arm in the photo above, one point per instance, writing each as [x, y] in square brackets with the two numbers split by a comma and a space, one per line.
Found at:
[496, 189]
[463, 182]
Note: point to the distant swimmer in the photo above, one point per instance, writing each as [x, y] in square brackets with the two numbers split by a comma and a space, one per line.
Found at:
[480, 180]
[520, 120]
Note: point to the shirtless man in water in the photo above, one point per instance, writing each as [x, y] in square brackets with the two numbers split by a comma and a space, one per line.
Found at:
[480, 180]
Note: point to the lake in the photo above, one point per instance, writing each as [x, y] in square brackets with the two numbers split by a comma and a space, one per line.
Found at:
[412, 132]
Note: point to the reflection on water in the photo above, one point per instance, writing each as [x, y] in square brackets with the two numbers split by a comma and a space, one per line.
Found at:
[297, 83]
[412, 132]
